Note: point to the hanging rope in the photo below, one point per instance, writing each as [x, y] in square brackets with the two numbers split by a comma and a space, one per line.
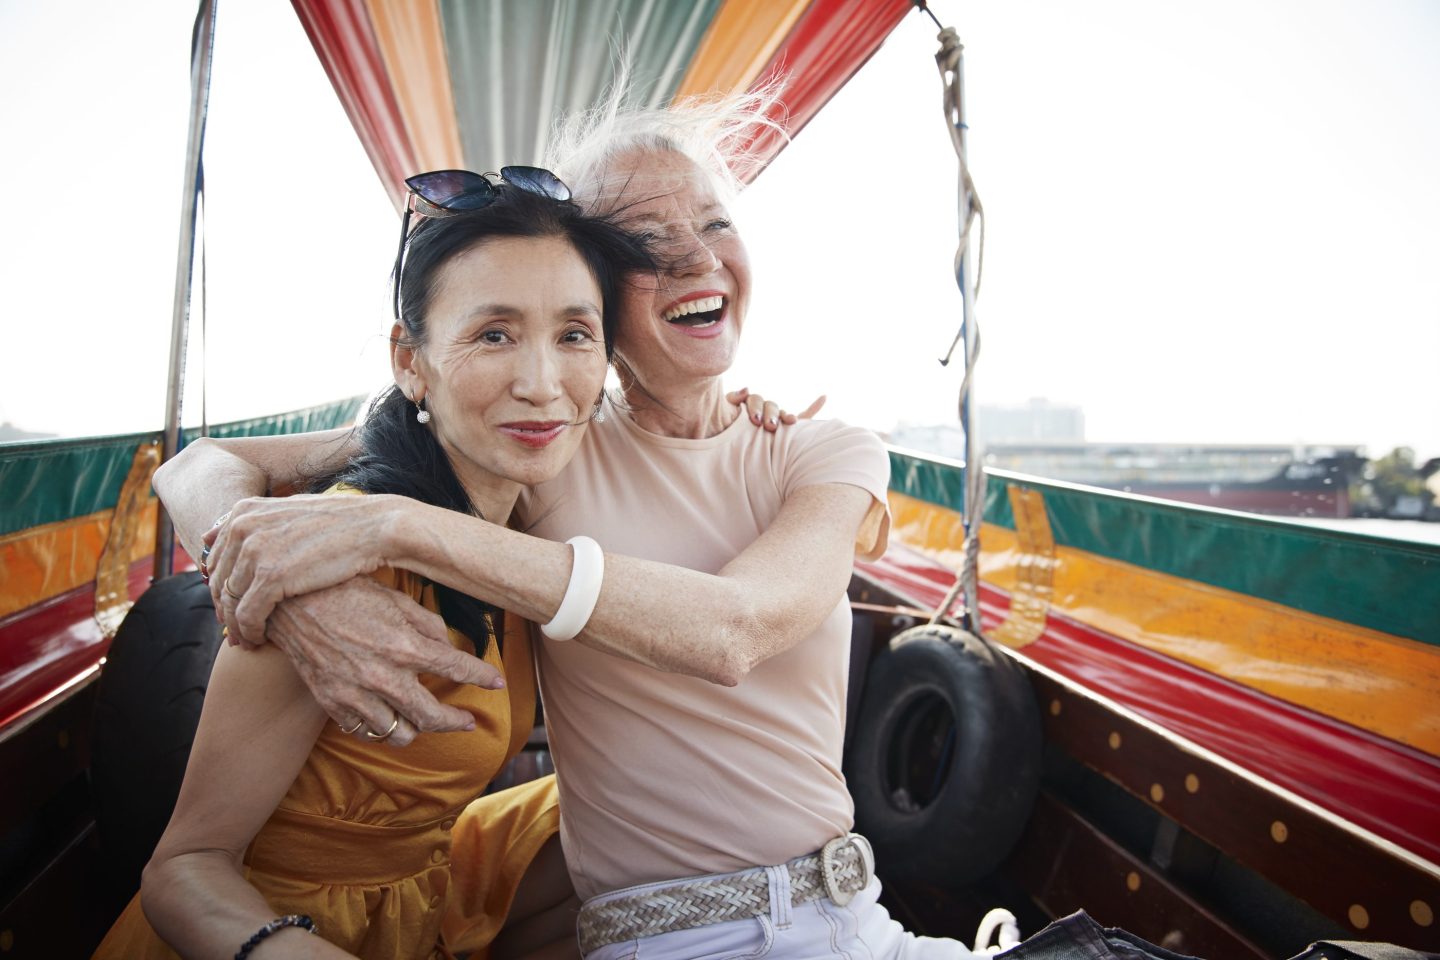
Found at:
[950, 61]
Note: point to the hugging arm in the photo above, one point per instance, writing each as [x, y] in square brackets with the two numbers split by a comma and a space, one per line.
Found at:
[716, 627]
[236, 468]
[358, 646]
[257, 726]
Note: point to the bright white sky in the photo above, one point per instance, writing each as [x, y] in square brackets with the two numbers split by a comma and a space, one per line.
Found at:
[1208, 222]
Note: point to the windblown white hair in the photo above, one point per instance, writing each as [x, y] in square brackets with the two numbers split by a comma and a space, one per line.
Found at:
[713, 131]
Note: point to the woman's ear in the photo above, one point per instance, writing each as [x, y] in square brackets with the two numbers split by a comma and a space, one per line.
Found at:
[404, 365]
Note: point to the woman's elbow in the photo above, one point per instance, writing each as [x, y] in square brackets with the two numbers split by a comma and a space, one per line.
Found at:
[171, 474]
[157, 881]
[742, 647]
[167, 474]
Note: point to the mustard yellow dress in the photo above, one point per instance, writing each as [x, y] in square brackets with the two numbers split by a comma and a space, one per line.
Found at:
[363, 840]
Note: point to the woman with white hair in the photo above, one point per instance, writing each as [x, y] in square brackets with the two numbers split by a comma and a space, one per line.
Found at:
[696, 627]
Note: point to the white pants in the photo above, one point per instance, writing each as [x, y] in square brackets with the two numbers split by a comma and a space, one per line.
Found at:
[860, 930]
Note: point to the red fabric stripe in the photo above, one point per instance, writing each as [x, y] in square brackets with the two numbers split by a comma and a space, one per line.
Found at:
[830, 42]
[1389, 789]
[340, 32]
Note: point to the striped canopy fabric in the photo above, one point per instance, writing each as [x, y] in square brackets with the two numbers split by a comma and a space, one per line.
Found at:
[474, 84]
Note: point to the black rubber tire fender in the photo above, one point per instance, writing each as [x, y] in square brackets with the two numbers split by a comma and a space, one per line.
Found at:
[152, 687]
[945, 764]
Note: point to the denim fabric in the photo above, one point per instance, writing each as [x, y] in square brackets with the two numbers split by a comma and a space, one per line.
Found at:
[1077, 937]
[819, 929]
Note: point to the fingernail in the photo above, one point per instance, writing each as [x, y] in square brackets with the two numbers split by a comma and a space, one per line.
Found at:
[755, 417]
[773, 422]
[497, 684]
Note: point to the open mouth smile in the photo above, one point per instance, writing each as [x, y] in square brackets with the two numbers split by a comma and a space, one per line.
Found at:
[698, 313]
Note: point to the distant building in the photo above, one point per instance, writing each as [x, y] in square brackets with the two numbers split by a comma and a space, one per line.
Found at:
[1303, 480]
[1036, 421]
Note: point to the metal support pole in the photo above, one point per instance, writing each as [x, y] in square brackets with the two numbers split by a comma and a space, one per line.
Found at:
[202, 45]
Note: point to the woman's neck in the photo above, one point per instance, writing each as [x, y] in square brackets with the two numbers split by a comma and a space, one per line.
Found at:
[695, 412]
[494, 497]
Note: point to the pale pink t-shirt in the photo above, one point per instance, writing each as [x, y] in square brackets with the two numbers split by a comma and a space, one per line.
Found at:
[664, 776]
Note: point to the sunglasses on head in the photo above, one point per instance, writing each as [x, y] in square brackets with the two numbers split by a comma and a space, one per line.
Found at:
[446, 193]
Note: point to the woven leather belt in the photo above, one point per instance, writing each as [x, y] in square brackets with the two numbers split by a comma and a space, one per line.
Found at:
[840, 870]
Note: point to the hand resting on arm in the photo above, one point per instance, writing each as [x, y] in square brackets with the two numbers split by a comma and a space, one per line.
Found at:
[359, 646]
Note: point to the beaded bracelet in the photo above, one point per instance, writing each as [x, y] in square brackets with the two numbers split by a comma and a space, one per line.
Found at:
[279, 923]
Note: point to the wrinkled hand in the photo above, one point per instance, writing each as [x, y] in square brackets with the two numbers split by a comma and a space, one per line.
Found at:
[767, 414]
[270, 549]
[359, 647]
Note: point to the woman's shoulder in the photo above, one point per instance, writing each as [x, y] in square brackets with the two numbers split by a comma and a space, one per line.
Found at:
[828, 451]
[830, 436]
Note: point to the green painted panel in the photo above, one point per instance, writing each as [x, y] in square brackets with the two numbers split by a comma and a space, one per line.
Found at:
[516, 67]
[47, 481]
[942, 482]
[51, 480]
[1386, 585]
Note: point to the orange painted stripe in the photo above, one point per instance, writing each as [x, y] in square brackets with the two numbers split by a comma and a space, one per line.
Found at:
[741, 40]
[43, 562]
[412, 44]
[1376, 681]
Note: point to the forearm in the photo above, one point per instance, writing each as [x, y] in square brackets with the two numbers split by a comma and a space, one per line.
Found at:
[201, 905]
[712, 626]
[200, 484]
[210, 476]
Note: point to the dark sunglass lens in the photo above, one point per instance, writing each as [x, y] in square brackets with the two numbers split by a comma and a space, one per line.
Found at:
[453, 189]
[536, 180]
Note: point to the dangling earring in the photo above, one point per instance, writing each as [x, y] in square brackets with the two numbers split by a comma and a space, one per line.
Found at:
[421, 414]
[599, 415]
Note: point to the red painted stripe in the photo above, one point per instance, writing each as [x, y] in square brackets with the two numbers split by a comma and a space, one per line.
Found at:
[1385, 787]
[44, 648]
[829, 43]
[340, 32]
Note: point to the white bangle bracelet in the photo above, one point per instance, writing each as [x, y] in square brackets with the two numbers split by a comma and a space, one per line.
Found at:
[587, 570]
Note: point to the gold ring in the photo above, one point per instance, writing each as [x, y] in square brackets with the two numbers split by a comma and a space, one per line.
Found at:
[382, 736]
[232, 593]
[358, 724]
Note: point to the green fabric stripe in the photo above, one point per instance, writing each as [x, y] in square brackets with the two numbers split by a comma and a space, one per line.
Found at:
[1385, 585]
[47, 481]
[516, 67]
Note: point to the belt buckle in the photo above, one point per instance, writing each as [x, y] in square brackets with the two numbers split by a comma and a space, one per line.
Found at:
[830, 866]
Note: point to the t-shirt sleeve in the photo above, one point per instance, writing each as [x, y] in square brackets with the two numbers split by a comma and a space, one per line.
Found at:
[833, 452]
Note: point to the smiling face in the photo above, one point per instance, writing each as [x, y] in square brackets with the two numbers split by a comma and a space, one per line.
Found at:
[681, 326]
[512, 363]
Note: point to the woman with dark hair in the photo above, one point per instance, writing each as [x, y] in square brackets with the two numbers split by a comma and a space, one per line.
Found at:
[506, 297]
[696, 709]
